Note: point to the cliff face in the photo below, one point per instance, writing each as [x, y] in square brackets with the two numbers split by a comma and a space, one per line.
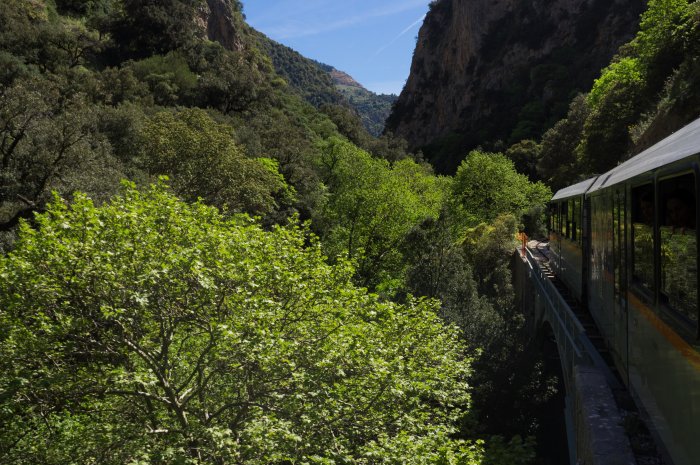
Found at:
[221, 21]
[493, 72]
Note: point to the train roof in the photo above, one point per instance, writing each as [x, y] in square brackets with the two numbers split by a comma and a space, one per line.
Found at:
[576, 189]
[679, 145]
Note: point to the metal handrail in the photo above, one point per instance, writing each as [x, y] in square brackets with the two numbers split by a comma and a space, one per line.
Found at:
[577, 342]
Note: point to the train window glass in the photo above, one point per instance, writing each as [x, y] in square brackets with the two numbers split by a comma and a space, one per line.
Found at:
[569, 218]
[553, 217]
[563, 216]
[579, 220]
[643, 236]
[574, 219]
[679, 272]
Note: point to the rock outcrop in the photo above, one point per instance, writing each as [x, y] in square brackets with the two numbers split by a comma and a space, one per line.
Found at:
[221, 21]
[493, 72]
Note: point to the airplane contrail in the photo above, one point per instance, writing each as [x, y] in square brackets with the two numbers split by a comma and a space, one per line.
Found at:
[413, 24]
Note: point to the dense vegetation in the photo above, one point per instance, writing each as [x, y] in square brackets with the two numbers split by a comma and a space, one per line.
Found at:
[373, 109]
[296, 291]
[648, 91]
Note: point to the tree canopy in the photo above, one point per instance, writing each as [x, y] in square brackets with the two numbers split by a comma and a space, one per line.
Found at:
[152, 331]
[487, 185]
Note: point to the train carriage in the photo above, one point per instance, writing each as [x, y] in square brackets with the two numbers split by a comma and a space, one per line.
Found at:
[566, 236]
[638, 276]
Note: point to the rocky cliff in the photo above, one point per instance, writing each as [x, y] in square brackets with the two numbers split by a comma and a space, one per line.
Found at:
[221, 21]
[492, 72]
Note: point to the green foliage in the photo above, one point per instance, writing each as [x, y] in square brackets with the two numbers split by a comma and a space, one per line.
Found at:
[152, 331]
[234, 81]
[141, 28]
[626, 73]
[371, 206]
[438, 267]
[525, 156]
[559, 165]
[49, 142]
[303, 75]
[169, 77]
[348, 124]
[205, 162]
[487, 185]
[488, 248]
[660, 26]
[373, 108]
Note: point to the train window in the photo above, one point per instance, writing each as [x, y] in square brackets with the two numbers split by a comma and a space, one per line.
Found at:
[563, 215]
[574, 222]
[553, 215]
[679, 272]
[579, 220]
[643, 236]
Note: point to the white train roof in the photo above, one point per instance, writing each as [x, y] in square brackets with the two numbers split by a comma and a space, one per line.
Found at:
[679, 145]
[576, 189]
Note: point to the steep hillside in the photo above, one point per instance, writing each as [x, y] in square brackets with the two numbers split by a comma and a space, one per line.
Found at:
[486, 71]
[373, 108]
[305, 76]
[320, 84]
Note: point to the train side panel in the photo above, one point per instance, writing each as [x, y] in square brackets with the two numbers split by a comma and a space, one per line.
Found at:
[566, 245]
[601, 284]
[664, 374]
[642, 272]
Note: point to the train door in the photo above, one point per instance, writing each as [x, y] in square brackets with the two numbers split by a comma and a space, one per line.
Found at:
[620, 309]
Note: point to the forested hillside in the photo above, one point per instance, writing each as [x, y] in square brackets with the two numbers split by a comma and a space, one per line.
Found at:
[200, 267]
[650, 89]
[321, 84]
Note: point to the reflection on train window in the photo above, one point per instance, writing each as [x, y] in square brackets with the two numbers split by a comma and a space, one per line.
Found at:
[579, 220]
[574, 209]
[552, 217]
[643, 235]
[564, 218]
[679, 244]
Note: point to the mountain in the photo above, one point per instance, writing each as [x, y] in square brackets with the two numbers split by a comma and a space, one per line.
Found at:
[493, 72]
[372, 108]
[320, 84]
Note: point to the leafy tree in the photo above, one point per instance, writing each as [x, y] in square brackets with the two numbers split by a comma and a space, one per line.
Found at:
[205, 162]
[372, 205]
[525, 155]
[660, 28]
[235, 81]
[141, 28]
[48, 141]
[169, 78]
[439, 268]
[152, 331]
[348, 123]
[487, 185]
[616, 101]
[559, 164]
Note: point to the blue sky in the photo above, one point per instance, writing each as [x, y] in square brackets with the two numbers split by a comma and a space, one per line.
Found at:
[371, 40]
